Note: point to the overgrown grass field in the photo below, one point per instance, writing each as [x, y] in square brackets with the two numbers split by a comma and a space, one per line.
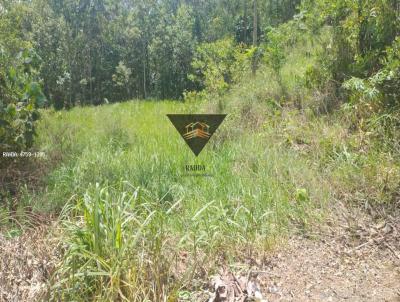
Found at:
[136, 227]
[312, 121]
[130, 210]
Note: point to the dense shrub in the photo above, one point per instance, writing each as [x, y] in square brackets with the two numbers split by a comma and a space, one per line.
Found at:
[20, 98]
[219, 64]
[363, 43]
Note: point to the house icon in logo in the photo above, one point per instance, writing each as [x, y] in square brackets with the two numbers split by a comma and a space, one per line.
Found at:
[197, 129]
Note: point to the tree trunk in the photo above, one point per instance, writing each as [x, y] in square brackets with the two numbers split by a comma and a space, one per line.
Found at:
[254, 60]
[362, 42]
[255, 23]
[245, 22]
[144, 72]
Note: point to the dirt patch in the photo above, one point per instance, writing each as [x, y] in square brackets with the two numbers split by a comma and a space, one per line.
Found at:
[26, 263]
[351, 257]
[307, 270]
[327, 270]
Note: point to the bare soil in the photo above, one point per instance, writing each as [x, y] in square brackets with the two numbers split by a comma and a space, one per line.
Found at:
[353, 256]
[26, 264]
[325, 270]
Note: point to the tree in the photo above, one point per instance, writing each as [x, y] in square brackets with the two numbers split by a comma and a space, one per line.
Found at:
[20, 97]
[255, 37]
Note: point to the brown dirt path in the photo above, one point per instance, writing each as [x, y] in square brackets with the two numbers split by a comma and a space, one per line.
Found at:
[353, 256]
[316, 270]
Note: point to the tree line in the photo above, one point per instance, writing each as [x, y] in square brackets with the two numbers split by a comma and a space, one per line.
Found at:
[96, 51]
[89, 52]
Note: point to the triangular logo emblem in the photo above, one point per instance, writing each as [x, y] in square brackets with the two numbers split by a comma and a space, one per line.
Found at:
[196, 129]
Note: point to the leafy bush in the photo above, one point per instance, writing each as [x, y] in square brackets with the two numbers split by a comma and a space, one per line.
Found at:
[275, 52]
[380, 92]
[375, 100]
[388, 79]
[20, 97]
[217, 65]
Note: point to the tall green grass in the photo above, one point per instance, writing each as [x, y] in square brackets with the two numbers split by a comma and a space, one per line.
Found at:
[136, 227]
[132, 211]
[118, 248]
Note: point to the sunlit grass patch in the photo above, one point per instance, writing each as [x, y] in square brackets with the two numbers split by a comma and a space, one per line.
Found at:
[133, 211]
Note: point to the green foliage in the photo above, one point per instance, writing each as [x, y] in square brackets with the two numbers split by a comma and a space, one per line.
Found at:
[82, 44]
[380, 92]
[218, 65]
[121, 75]
[14, 26]
[20, 98]
[362, 90]
[171, 52]
[274, 51]
[362, 31]
[388, 78]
